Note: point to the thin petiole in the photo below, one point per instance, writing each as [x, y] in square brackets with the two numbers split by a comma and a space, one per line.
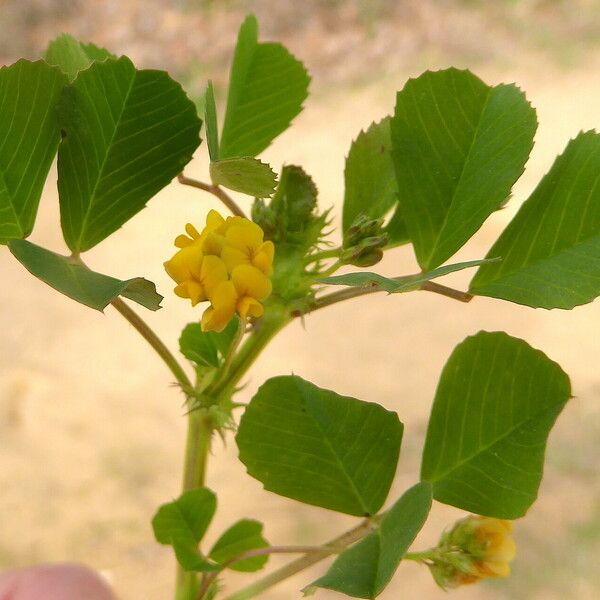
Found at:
[148, 334]
[215, 190]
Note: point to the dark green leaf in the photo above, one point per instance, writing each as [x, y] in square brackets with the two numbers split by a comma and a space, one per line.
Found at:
[79, 282]
[71, 56]
[207, 348]
[210, 118]
[370, 181]
[551, 249]
[496, 402]
[401, 284]
[267, 87]
[365, 569]
[243, 536]
[246, 175]
[318, 447]
[29, 137]
[127, 133]
[458, 147]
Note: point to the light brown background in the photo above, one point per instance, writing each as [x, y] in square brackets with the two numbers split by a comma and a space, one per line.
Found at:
[91, 431]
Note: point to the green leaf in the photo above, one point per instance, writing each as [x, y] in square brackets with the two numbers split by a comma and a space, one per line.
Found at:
[72, 56]
[458, 147]
[183, 523]
[267, 87]
[207, 348]
[496, 402]
[246, 175]
[401, 284]
[80, 283]
[127, 133]
[365, 569]
[210, 118]
[370, 181]
[242, 536]
[29, 137]
[318, 447]
[191, 560]
[551, 249]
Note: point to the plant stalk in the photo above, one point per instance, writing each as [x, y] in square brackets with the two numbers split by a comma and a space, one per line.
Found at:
[148, 334]
[215, 190]
[355, 292]
[200, 426]
[197, 449]
[308, 560]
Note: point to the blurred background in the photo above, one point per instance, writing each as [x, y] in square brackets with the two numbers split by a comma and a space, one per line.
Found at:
[91, 429]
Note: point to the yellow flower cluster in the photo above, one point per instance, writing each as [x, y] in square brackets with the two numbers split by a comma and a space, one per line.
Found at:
[490, 548]
[228, 263]
[497, 546]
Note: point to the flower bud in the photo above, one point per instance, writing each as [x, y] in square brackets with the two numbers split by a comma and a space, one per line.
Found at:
[364, 242]
[475, 548]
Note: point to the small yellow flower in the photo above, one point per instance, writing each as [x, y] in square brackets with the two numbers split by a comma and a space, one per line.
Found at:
[475, 548]
[497, 547]
[227, 263]
[244, 245]
[196, 275]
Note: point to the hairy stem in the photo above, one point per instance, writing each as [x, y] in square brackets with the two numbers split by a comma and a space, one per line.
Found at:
[274, 320]
[215, 190]
[197, 449]
[200, 428]
[308, 560]
[148, 334]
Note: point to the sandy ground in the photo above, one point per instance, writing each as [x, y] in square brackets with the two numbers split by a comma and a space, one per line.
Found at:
[91, 431]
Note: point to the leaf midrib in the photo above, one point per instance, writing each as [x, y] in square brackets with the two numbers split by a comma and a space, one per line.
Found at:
[91, 203]
[536, 263]
[462, 173]
[485, 448]
[338, 460]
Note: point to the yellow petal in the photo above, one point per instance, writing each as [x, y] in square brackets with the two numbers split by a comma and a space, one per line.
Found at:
[213, 273]
[232, 257]
[213, 221]
[181, 290]
[224, 296]
[263, 257]
[223, 300]
[503, 549]
[231, 222]
[181, 241]
[196, 292]
[249, 307]
[495, 568]
[246, 236]
[192, 231]
[213, 243]
[250, 281]
[185, 264]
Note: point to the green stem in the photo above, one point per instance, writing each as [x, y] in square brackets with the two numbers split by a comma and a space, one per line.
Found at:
[274, 320]
[324, 254]
[197, 449]
[308, 560]
[200, 426]
[223, 372]
[211, 577]
[421, 557]
[148, 334]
